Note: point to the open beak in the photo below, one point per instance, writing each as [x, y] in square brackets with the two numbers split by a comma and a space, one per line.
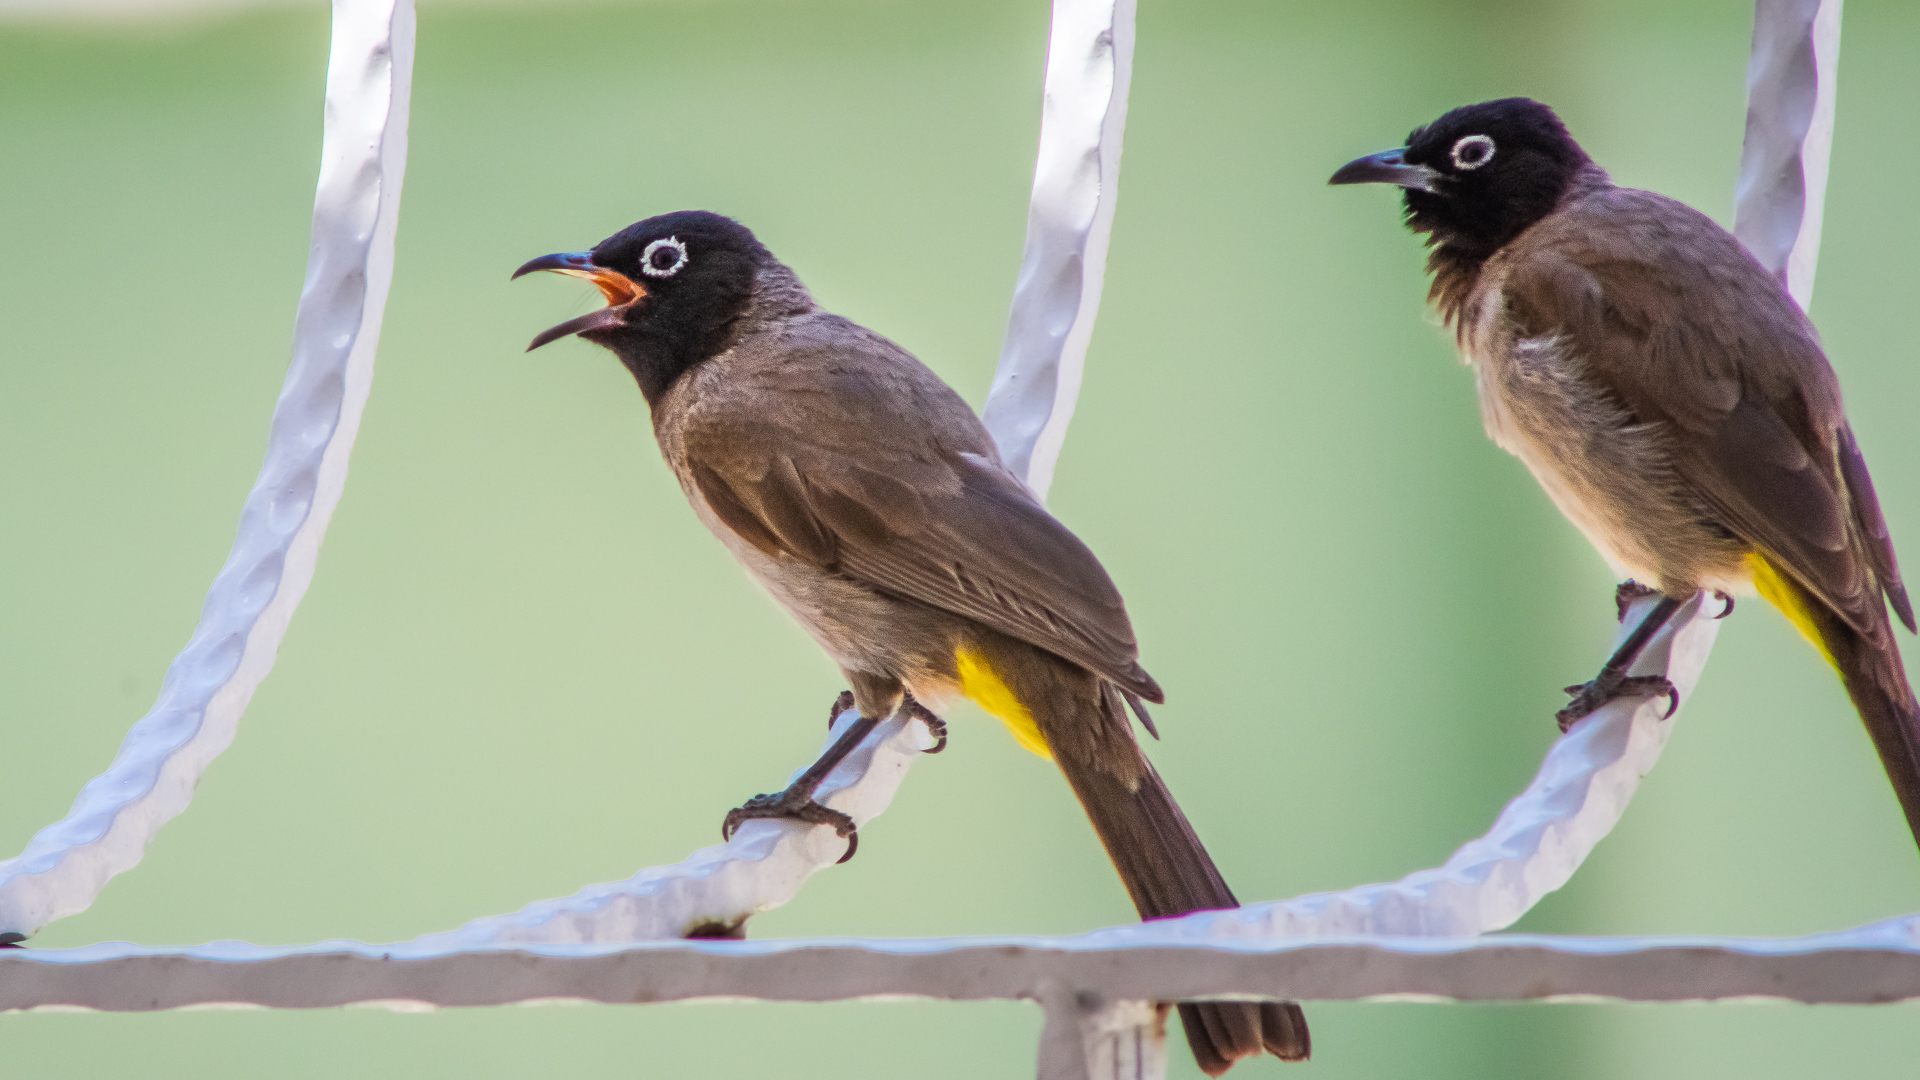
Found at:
[1386, 167]
[621, 291]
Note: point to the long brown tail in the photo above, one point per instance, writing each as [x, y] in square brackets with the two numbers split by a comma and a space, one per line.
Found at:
[1877, 682]
[1167, 872]
[1165, 869]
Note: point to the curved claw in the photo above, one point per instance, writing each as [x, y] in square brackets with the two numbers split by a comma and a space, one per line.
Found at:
[1725, 611]
[1652, 686]
[936, 727]
[853, 845]
[734, 819]
[756, 807]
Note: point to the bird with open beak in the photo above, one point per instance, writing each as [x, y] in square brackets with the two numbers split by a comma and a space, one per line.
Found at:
[869, 500]
[1666, 391]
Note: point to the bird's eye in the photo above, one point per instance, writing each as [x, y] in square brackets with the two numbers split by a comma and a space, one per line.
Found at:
[1472, 152]
[663, 258]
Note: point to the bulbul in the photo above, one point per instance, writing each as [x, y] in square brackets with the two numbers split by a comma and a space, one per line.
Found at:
[869, 500]
[1666, 391]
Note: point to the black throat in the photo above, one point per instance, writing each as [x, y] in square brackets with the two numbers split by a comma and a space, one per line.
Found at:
[672, 332]
[1466, 228]
[1466, 223]
[658, 352]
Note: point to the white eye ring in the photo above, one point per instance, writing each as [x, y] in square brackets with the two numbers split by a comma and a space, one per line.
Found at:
[671, 243]
[1472, 152]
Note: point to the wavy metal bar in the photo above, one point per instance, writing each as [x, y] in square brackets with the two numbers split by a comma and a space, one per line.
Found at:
[285, 516]
[717, 888]
[1538, 841]
[1783, 169]
[1075, 184]
[1869, 965]
[1533, 848]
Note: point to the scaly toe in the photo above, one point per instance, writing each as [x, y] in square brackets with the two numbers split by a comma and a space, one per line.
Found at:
[1588, 697]
[1651, 686]
[786, 805]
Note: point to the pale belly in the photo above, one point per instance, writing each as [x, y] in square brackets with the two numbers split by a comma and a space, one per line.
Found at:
[859, 629]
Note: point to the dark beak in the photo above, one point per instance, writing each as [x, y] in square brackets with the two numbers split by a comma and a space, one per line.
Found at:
[621, 291]
[1386, 167]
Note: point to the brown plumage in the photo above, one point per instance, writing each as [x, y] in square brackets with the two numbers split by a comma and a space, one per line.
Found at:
[870, 501]
[821, 444]
[1665, 390]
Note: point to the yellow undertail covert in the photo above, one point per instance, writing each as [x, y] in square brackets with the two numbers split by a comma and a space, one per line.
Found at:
[985, 688]
[1775, 589]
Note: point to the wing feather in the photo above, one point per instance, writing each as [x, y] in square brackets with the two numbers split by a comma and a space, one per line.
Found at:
[889, 479]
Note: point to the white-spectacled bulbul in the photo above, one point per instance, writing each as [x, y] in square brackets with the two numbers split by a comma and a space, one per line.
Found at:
[1666, 391]
[865, 495]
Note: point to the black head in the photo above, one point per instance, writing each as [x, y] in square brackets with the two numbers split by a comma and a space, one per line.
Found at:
[1480, 175]
[674, 286]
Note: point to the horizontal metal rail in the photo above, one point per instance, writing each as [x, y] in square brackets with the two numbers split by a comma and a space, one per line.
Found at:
[1874, 964]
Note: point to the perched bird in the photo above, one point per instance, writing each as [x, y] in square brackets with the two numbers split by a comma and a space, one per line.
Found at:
[1666, 391]
[864, 494]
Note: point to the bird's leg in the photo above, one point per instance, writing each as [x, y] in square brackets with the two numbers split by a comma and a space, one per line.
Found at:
[797, 801]
[1625, 593]
[936, 727]
[1613, 680]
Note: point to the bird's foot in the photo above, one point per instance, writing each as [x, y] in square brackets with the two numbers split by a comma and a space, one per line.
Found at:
[1625, 593]
[936, 727]
[840, 704]
[795, 803]
[1590, 696]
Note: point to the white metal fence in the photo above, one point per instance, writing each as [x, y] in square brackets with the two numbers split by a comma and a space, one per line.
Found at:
[618, 942]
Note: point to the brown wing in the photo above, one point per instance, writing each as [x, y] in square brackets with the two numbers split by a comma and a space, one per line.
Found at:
[1673, 317]
[852, 462]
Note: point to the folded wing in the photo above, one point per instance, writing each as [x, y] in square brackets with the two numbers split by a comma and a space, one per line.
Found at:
[882, 475]
[1677, 323]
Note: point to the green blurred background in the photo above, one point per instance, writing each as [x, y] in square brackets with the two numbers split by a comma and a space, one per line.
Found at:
[506, 680]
